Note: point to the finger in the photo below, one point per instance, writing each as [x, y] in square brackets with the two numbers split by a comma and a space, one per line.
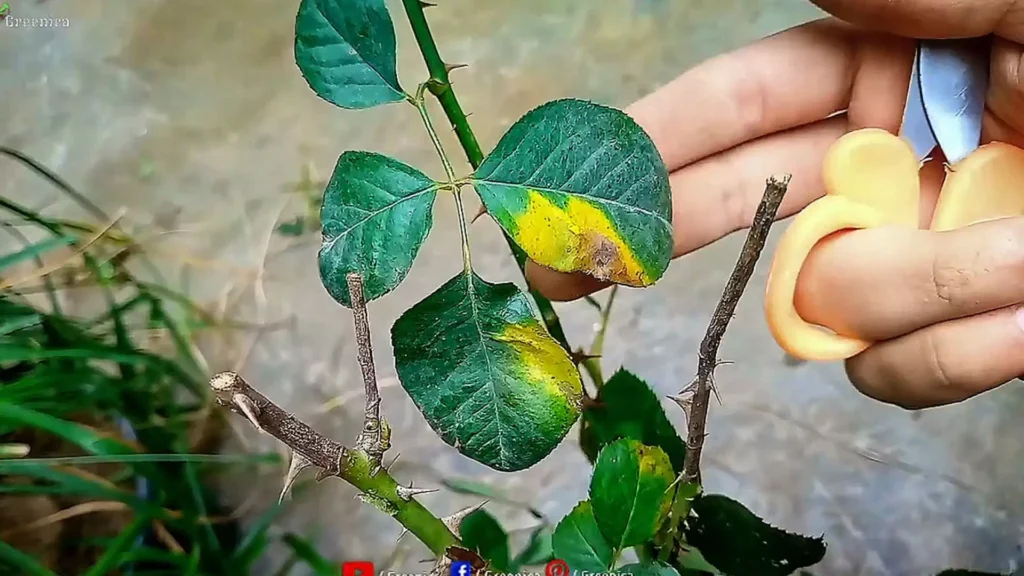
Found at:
[885, 282]
[1006, 89]
[790, 79]
[943, 363]
[933, 18]
[719, 195]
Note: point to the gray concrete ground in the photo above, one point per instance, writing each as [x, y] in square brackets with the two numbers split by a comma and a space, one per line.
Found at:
[192, 115]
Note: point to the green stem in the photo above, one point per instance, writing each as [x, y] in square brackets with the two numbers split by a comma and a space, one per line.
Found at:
[354, 466]
[593, 365]
[382, 491]
[421, 106]
[441, 87]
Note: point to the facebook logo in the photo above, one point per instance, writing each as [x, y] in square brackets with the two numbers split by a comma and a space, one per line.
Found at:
[462, 569]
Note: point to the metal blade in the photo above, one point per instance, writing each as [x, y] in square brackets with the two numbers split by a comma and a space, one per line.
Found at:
[954, 79]
[915, 128]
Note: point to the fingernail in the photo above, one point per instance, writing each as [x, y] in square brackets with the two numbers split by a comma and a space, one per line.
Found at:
[1019, 317]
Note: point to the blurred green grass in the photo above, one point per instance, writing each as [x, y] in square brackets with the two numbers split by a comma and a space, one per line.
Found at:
[107, 444]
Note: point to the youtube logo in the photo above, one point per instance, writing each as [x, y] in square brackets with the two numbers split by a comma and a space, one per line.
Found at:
[357, 569]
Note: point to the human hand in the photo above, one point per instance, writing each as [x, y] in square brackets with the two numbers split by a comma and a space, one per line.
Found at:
[949, 326]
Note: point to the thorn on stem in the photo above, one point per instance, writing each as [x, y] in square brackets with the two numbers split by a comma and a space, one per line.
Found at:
[454, 521]
[297, 465]
[407, 494]
[249, 409]
[425, 4]
[685, 401]
[449, 68]
[403, 533]
[479, 213]
[579, 356]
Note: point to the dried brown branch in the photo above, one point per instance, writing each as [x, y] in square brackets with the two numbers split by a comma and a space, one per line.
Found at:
[234, 392]
[696, 420]
[359, 466]
[376, 436]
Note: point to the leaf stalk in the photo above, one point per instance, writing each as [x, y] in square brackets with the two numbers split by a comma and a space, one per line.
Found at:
[421, 106]
[440, 86]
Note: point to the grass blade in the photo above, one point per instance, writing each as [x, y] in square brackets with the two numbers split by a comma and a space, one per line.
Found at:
[83, 437]
[23, 563]
[114, 555]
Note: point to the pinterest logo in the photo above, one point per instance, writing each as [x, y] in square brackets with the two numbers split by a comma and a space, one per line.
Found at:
[556, 568]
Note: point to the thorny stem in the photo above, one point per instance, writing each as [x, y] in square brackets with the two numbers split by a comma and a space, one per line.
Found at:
[361, 466]
[333, 459]
[421, 105]
[593, 363]
[441, 87]
[696, 420]
[439, 84]
[668, 541]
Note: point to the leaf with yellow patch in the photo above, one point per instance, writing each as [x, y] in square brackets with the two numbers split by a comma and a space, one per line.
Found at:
[580, 187]
[486, 375]
[630, 491]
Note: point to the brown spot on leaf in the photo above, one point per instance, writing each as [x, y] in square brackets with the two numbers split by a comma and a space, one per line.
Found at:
[604, 256]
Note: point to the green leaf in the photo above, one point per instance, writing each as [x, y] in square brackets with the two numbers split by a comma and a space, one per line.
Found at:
[628, 408]
[735, 540]
[578, 541]
[580, 187]
[482, 533]
[486, 375]
[376, 215]
[538, 549]
[648, 569]
[346, 52]
[630, 491]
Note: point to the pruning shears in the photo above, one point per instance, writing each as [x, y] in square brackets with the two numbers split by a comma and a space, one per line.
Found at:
[872, 179]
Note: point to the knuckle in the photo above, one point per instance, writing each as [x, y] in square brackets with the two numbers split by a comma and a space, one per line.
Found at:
[956, 272]
[749, 100]
[941, 376]
[1008, 250]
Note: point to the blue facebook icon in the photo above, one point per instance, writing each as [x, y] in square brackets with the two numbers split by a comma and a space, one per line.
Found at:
[462, 569]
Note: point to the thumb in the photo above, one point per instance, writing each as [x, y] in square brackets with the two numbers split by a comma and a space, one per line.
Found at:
[933, 18]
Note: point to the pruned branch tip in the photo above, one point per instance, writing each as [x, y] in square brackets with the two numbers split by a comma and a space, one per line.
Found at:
[696, 418]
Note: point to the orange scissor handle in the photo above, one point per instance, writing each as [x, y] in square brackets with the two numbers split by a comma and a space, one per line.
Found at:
[871, 179]
[987, 185]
